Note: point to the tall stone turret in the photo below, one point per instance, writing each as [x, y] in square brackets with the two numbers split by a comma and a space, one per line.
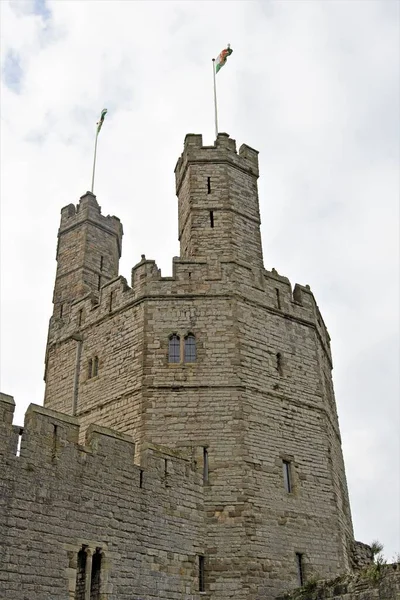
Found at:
[88, 252]
[218, 201]
[225, 361]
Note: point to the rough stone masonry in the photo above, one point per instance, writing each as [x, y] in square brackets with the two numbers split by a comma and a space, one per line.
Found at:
[189, 444]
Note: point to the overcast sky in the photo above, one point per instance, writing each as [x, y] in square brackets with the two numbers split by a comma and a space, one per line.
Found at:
[313, 85]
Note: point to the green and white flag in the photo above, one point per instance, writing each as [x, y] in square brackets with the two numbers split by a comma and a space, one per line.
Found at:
[100, 123]
[222, 58]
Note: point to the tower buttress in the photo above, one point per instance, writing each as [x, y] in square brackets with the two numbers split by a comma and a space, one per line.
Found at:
[88, 252]
[219, 214]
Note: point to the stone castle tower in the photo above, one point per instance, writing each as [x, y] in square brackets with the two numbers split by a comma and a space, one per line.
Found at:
[222, 361]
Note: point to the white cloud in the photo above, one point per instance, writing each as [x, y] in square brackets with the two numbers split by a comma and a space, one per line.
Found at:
[314, 86]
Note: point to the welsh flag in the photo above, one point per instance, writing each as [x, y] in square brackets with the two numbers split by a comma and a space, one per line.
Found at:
[101, 120]
[222, 58]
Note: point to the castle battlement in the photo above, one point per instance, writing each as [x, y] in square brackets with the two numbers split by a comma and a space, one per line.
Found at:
[60, 498]
[223, 151]
[51, 439]
[193, 278]
[89, 210]
[200, 444]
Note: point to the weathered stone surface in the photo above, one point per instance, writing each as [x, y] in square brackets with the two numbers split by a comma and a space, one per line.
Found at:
[58, 495]
[259, 392]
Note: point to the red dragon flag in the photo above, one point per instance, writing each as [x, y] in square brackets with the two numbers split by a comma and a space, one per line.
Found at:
[222, 58]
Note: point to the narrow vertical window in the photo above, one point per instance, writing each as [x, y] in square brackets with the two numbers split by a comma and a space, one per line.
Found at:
[80, 585]
[287, 476]
[278, 298]
[165, 467]
[95, 366]
[141, 478]
[101, 263]
[202, 587]
[80, 317]
[111, 301]
[90, 368]
[205, 465]
[18, 452]
[208, 185]
[174, 349]
[54, 449]
[96, 572]
[300, 568]
[99, 283]
[211, 218]
[190, 348]
[279, 363]
[61, 310]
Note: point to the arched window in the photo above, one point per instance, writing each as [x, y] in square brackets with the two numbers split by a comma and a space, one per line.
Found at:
[95, 579]
[80, 587]
[174, 349]
[190, 348]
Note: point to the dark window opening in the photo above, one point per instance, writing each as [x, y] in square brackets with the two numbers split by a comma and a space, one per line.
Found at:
[278, 298]
[61, 310]
[190, 348]
[90, 368]
[54, 449]
[202, 587]
[80, 586]
[205, 465]
[95, 366]
[208, 185]
[80, 317]
[174, 349]
[99, 283]
[101, 263]
[287, 476]
[141, 478]
[279, 363]
[95, 579]
[211, 218]
[111, 301]
[165, 467]
[189, 274]
[21, 431]
[300, 568]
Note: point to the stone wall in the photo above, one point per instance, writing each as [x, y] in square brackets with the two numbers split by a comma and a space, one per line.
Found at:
[249, 412]
[57, 496]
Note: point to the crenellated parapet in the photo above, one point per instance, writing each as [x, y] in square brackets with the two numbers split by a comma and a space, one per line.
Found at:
[222, 152]
[50, 439]
[89, 211]
[201, 404]
[60, 497]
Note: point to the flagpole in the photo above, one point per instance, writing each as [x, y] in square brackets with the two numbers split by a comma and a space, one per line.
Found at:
[215, 100]
[94, 160]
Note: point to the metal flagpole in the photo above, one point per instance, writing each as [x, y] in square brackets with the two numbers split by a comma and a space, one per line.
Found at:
[94, 160]
[215, 100]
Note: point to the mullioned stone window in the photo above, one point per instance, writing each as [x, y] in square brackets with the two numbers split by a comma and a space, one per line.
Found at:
[182, 350]
[88, 574]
